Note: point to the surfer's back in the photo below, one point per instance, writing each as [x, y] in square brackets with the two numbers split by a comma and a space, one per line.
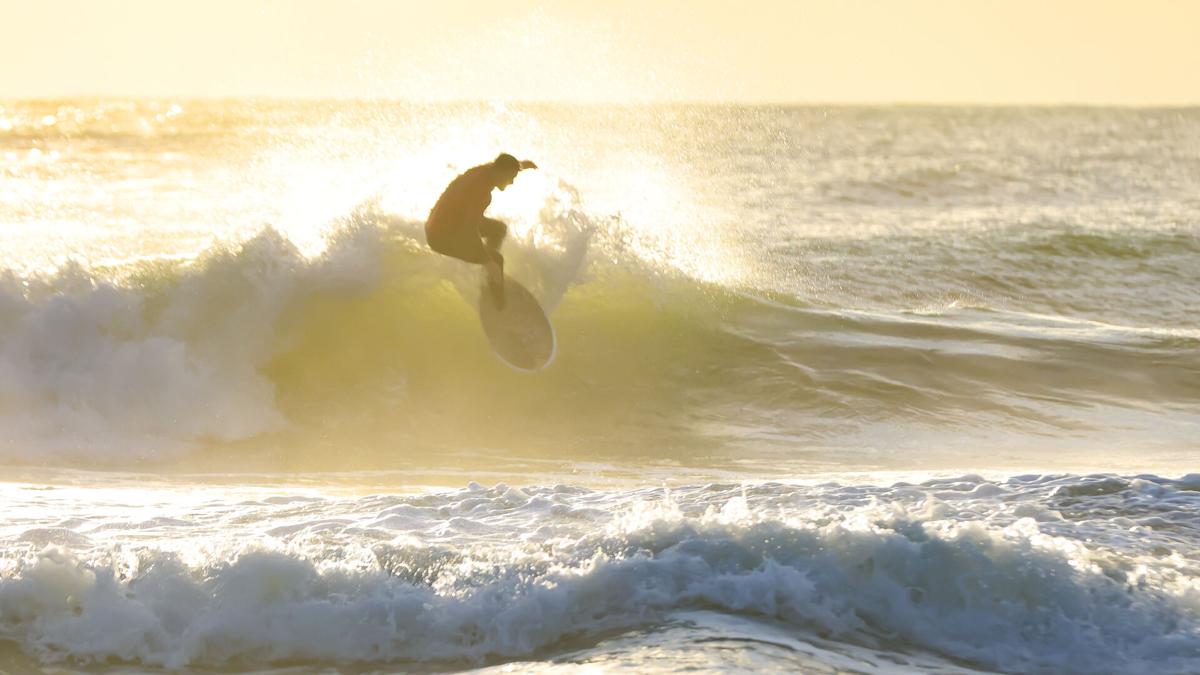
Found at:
[465, 198]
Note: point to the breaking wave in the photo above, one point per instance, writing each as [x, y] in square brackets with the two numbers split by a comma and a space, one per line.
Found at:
[1019, 575]
[375, 342]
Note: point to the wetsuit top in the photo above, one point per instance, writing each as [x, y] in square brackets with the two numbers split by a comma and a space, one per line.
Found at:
[462, 204]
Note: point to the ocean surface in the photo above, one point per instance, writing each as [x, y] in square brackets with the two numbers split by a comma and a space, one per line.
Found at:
[838, 389]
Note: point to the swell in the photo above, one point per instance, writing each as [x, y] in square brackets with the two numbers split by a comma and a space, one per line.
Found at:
[1073, 243]
[954, 363]
[375, 346]
[1122, 276]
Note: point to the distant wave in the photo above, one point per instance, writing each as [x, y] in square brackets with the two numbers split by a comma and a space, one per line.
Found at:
[1136, 245]
[934, 183]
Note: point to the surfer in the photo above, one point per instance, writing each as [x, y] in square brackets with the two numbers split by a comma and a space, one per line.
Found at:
[457, 227]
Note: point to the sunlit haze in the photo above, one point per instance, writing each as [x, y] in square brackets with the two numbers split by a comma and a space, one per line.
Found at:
[561, 336]
[1068, 51]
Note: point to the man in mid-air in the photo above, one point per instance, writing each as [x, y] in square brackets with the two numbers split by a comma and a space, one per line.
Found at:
[458, 228]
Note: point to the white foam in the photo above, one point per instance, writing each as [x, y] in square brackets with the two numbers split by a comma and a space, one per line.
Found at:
[461, 577]
[98, 369]
[104, 370]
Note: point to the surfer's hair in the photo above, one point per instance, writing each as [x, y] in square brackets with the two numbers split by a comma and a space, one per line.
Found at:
[507, 162]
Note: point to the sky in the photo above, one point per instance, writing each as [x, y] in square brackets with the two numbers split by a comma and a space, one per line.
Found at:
[1134, 52]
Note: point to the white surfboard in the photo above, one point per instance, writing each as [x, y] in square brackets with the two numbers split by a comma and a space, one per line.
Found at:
[520, 334]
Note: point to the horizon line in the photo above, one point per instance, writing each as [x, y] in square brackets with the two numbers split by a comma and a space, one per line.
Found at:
[798, 103]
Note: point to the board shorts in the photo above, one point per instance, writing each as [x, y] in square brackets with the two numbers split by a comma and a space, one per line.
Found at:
[465, 244]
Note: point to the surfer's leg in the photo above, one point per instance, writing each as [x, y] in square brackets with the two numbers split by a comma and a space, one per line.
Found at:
[465, 246]
[495, 272]
[493, 232]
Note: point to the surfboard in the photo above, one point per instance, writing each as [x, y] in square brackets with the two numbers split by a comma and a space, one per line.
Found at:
[520, 334]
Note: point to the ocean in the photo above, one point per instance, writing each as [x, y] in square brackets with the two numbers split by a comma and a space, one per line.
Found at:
[838, 389]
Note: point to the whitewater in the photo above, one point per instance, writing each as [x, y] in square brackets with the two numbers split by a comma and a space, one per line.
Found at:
[839, 389]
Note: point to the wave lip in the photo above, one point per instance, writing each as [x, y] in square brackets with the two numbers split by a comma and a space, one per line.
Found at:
[1032, 574]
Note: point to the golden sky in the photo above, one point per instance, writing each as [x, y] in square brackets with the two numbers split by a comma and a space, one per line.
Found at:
[947, 51]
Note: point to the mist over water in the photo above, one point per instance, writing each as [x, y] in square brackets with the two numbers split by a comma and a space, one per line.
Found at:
[900, 367]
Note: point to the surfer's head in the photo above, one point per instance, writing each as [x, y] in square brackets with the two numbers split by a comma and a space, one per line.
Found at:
[505, 168]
